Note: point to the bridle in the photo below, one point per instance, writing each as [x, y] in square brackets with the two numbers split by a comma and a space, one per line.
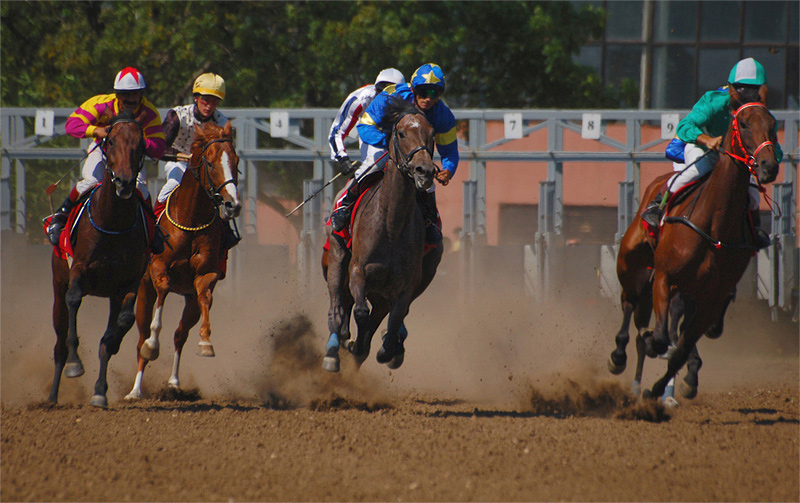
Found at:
[214, 192]
[104, 149]
[402, 160]
[749, 160]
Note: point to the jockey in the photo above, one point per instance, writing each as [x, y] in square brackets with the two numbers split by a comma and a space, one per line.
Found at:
[91, 120]
[349, 114]
[703, 130]
[179, 130]
[427, 85]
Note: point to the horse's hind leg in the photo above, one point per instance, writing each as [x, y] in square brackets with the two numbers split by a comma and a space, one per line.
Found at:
[688, 387]
[341, 302]
[363, 342]
[715, 330]
[659, 342]
[60, 324]
[392, 351]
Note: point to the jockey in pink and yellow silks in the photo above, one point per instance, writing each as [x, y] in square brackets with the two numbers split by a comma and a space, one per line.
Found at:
[91, 120]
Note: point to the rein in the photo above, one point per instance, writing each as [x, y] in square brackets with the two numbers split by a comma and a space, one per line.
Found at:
[100, 229]
[213, 192]
[406, 159]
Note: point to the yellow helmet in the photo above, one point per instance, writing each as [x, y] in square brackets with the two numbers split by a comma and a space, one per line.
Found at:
[209, 84]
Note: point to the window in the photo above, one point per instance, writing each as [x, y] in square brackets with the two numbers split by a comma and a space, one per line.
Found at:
[672, 78]
[719, 21]
[624, 20]
[714, 66]
[765, 22]
[674, 21]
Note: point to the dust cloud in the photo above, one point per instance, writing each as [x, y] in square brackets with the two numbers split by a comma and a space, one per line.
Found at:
[499, 348]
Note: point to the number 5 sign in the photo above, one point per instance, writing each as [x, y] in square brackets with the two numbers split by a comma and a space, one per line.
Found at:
[668, 124]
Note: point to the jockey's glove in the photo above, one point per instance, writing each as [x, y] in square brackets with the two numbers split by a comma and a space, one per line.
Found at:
[346, 166]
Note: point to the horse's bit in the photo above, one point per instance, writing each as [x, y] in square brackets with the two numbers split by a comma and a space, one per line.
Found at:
[104, 148]
[404, 167]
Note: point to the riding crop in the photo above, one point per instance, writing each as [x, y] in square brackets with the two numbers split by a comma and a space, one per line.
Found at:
[52, 188]
[309, 198]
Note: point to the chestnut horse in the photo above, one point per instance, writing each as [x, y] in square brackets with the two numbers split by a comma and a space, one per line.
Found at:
[706, 244]
[190, 263]
[109, 259]
[387, 264]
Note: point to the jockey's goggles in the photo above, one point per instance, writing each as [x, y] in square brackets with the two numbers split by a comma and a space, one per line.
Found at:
[428, 93]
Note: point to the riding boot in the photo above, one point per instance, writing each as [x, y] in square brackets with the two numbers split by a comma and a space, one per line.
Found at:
[427, 200]
[59, 220]
[340, 218]
[762, 238]
[229, 237]
[652, 214]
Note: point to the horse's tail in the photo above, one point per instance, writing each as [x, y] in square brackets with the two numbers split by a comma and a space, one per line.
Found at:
[377, 274]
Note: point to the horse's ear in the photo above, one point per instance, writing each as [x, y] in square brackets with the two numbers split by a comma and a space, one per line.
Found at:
[227, 129]
[762, 94]
[737, 100]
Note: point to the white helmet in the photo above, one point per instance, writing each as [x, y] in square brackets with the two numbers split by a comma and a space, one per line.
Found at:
[129, 79]
[390, 75]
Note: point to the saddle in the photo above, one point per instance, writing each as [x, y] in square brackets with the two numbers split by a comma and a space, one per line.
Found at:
[68, 238]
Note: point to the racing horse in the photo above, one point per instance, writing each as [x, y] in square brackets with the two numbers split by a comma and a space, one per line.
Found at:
[706, 242]
[386, 264]
[190, 265]
[109, 256]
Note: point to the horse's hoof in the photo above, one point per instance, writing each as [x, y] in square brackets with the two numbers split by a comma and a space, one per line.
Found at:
[687, 391]
[670, 402]
[148, 352]
[205, 349]
[73, 369]
[714, 331]
[615, 368]
[133, 396]
[397, 361]
[99, 401]
[655, 347]
[670, 349]
[331, 363]
[174, 383]
[648, 394]
[383, 356]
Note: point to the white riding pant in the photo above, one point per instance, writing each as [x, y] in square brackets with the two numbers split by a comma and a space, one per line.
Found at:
[369, 156]
[94, 169]
[683, 176]
[173, 170]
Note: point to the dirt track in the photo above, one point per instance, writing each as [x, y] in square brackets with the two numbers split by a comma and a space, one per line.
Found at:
[504, 400]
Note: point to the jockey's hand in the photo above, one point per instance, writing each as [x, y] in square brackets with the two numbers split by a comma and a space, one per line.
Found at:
[100, 132]
[709, 142]
[444, 176]
[346, 166]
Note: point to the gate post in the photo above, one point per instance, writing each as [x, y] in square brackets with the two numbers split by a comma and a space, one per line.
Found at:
[310, 238]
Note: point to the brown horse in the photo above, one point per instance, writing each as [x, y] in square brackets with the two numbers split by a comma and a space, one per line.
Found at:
[706, 243]
[190, 264]
[387, 264]
[110, 256]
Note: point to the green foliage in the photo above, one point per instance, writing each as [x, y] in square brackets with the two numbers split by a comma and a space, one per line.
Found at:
[301, 54]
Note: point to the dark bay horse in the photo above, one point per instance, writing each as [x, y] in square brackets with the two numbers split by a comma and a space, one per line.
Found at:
[706, 243]
[387, 264]
[190, 263]
[110, 256]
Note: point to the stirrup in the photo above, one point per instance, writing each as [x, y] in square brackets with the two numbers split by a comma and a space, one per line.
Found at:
[341, 218]
[762, 240]
[55, 228]
[652, 217]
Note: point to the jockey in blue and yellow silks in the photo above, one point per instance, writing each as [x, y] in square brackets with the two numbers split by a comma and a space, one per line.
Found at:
[427, 85]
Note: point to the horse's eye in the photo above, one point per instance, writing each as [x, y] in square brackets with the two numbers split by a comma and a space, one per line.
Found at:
[743, 124]
[401, 134]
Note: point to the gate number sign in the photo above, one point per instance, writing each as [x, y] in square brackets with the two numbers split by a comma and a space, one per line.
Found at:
[44, 122]
[513, 126]
[279, 124]
[591, 127]
[668, 124]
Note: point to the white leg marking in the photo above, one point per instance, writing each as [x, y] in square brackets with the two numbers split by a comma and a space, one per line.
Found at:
[155, 328]
[136, 392]
[176, 363]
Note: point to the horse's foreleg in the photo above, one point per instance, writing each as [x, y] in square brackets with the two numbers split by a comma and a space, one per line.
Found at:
[74, 297]
[144, 315]
[618, 360]
[659, 342]
[61, 326]
[120, 320]
[359, 294]
[189, 318]
[392, 351]
[341, 303]
[695, 324]
[688, 387]
[151, 348]
[361, 346]
[204, 285]
[715, 330]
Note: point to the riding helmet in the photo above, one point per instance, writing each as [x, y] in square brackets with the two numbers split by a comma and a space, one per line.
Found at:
[428, 75]
[390, 76]
[209, 84]
[749, 72]
[129, 79]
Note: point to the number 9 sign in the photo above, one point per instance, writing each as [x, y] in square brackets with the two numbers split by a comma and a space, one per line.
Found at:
[669, 122]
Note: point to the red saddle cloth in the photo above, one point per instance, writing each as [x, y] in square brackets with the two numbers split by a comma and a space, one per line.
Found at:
[673, 200]
[66, 240]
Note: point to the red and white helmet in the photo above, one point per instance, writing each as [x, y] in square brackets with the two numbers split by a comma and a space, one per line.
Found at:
[129, 79]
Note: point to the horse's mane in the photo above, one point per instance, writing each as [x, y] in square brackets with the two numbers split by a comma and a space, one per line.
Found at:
[395, 109]
[124, 115]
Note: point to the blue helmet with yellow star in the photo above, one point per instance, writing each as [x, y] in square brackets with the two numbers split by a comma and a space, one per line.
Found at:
[428, 75]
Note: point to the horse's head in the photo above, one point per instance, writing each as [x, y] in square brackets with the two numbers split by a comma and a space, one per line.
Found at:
[124, 149]
[411, 145]
[753, 140]
[216, 166]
